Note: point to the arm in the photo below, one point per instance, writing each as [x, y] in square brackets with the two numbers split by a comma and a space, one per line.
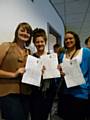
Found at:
[6, 74]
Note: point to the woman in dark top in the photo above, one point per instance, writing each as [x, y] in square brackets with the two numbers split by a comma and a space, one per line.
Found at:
[42, 97]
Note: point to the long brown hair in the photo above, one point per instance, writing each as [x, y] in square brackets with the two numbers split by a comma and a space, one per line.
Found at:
[29, 29]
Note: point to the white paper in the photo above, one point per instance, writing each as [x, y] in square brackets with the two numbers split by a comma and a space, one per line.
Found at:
[50, 62]
[73, 74]
[33, 71]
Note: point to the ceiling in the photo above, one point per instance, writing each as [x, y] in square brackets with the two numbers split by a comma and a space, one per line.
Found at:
[75, 15]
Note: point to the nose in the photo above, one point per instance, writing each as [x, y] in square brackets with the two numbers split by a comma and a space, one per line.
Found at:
[67, 39]
[26, 33]
[40, 43]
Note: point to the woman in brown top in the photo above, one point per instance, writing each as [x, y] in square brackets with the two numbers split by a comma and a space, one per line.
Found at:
[13, 94]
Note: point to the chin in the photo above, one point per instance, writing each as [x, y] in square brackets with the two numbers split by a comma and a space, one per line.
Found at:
[41, 50]
[69, 46]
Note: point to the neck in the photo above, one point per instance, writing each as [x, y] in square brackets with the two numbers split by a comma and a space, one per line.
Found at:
[40, 53]
[71, 53]
[20, 44]
[71, 50]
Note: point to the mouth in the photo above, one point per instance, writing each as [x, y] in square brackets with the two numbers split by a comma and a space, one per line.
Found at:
[40, 47]
[24, 36]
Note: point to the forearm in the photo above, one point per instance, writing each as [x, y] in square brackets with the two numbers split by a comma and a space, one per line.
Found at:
[6, 74]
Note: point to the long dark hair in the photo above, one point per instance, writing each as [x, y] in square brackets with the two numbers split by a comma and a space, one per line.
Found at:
[29, 29]
[77, 40]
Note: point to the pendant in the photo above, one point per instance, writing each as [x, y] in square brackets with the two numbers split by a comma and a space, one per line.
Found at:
[71, 62]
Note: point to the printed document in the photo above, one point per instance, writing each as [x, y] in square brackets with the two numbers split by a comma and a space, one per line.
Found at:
[73, 74]
[50, 62]
[33, 71]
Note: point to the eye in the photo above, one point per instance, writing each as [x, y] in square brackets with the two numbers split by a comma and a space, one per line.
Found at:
[22, 29]
[42, 41]
[28, 31]
[70, 38]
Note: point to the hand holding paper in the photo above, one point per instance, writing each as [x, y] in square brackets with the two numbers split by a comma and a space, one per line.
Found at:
[50, 62]
[73, 75]
[34, 67]
[33, 71]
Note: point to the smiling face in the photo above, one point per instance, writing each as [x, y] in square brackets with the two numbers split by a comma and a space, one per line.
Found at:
[40, 44]
[39, 40]
[23, 34]
[69, 41]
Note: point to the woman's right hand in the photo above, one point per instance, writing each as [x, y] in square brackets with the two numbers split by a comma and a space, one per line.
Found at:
[43, 69]
[61, 71]
[20, 71]
[6, 74]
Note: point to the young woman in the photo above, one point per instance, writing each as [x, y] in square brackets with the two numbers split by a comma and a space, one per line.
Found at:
[42, 97]
[13, 55]
[74, 103]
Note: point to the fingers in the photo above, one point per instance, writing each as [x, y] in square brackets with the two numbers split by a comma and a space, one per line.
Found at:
[60, 69]
[43, 69]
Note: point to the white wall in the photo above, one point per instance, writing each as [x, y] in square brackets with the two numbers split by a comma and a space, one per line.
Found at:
[37, 13]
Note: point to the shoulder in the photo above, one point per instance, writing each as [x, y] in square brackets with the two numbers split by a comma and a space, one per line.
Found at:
[86, 53]
[86, 50]
[34, 54]
[4, 46]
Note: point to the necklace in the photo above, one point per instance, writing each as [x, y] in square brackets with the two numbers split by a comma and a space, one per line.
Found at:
[71, 55]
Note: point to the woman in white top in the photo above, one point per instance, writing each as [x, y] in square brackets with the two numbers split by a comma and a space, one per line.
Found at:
[74, 102]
